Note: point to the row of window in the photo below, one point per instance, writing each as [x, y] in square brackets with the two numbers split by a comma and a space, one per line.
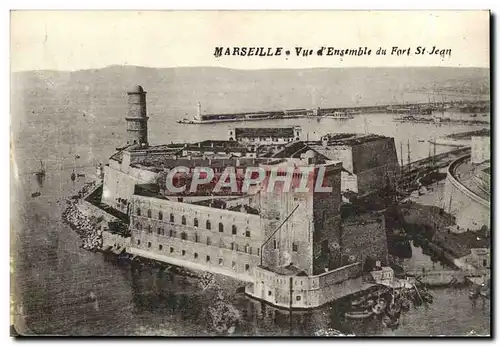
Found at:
[297, 298]
[208, 224]
[184, 236]
[195, 255]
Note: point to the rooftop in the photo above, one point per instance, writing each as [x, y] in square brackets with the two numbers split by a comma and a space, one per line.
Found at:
[264, 132]
[351, 139]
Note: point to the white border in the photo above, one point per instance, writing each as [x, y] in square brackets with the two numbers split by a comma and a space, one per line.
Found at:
[186, 4]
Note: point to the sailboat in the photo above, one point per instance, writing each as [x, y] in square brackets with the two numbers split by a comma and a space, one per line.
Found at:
[41, 172]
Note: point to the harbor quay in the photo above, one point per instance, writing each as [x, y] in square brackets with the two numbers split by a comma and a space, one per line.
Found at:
[263, 207]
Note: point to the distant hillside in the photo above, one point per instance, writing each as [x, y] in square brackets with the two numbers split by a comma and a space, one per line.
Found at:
[174, 92]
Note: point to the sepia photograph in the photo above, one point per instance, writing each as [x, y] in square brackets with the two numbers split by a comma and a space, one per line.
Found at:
[250, 173]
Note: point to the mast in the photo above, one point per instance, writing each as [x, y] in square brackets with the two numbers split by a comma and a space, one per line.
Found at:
[409, 162]
[401, 157]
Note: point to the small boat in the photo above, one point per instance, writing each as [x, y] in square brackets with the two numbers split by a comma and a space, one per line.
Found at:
[379, 307]
[81, 174]
[77, 156]
[35, 194]
[41, 172]
[73, 175]
[405, 304]
[329, 332]
[389, 322]
[358, 315]
[421, 140]
[339, 115]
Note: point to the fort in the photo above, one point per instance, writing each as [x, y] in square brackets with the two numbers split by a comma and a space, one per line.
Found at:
[291, 247]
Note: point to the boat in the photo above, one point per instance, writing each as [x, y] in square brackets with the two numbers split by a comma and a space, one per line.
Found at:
[81, 174]
[185, 121]
[41, 172]
[35, 194]
[330, 332]
[358, 315]
[379, 307]
[389, 322]
[73, 175]
[339, 115]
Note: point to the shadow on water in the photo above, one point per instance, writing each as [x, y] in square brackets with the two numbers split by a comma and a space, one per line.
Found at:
[157, 289]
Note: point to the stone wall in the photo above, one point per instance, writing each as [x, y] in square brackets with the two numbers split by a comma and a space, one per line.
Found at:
[471, 211]
[305, 291]
[229, 236]
[364, 237]
[119, 185]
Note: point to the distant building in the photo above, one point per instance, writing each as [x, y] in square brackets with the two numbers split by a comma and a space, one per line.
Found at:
[480, 149]
[265, 136]
[369, 161]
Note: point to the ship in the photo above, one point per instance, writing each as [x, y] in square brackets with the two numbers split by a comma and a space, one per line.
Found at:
[339, 115]
[41, 172]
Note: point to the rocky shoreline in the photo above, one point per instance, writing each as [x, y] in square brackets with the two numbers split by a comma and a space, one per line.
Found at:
[88, 228]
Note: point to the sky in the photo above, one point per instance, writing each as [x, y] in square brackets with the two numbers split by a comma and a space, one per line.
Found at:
[73, 40]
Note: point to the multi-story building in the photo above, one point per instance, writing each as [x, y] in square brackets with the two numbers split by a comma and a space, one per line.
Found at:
[289, 244]
[265, 136]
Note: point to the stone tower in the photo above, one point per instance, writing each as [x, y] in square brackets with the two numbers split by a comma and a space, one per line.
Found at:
[137, 120]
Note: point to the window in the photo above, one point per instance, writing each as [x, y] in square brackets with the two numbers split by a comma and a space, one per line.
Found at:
[234, 229]
[485, 263]
[298, 298]
[183, 220]
[149, 244]
[246, 248]
[160, 215]
[150, 230]
[208, 258]
[208, 226]
[195, 222]
[258, 251]
[275, 244]
[233, 245]
[195, 255]
[138, 242]
[149, 213]
[171, 233]
[160, 247]
[221, 261]
[221, 227]
[250, 250]
[159, 231]
[139, 211]
[295, 247]
[269, 293]
[247, 234]
[209, 242]
[233, 264]
[183, 236]
[171, 217]
[196, 237]
[183, 252]
[247, 267]
[171, 249]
